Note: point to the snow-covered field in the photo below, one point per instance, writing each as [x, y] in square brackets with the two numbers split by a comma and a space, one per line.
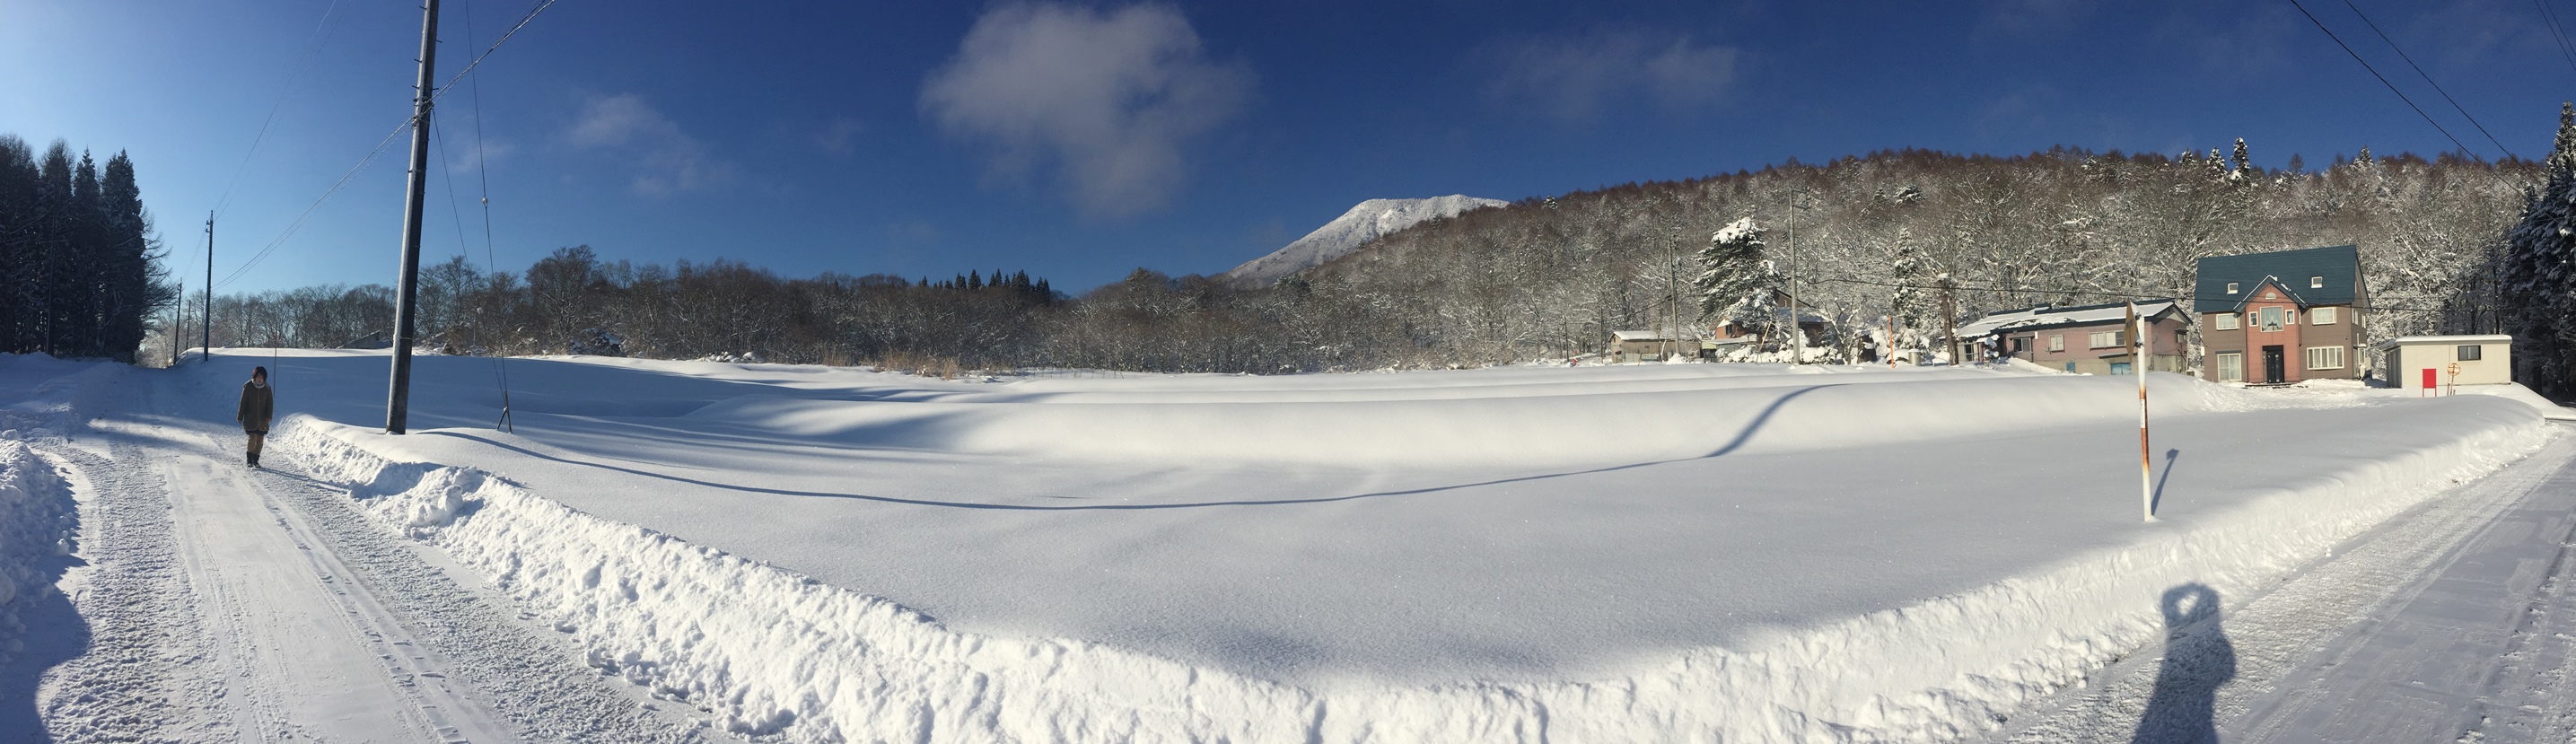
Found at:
[1665, 552]
[1657, 552]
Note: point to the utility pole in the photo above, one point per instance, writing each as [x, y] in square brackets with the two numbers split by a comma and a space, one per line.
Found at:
[2138, 366]
[206, 329]
[1797, 333]
[407, 290]
[1949, 321]
[178, 322]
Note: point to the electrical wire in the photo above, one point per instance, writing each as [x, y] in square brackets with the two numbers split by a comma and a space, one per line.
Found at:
[2374, 72]
[336, 186]
[2428, 79]
[2557, 32]
[483, 176]
[312, 47]
[2087, 293]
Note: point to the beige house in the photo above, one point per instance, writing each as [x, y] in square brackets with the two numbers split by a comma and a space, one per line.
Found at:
[2432, 362]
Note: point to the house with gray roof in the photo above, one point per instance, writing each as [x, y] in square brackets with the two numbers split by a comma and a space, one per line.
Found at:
[2281, 317]
[2085, 339]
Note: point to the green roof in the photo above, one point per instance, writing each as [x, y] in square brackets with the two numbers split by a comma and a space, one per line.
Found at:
[2338, 265]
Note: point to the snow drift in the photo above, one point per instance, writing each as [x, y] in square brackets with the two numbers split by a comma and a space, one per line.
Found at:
[778, 653]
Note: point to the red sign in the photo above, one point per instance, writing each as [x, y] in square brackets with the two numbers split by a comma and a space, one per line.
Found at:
[2429, 382]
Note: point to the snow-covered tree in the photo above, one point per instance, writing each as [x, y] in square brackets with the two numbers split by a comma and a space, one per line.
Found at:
[2537, 278]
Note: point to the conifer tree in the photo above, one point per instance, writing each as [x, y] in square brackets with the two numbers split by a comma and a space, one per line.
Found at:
[2537, 280]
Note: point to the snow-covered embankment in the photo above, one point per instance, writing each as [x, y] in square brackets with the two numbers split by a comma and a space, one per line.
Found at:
[773, 652]
[35, 521]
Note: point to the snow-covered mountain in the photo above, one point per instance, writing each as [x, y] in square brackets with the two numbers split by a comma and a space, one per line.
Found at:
[1347, 233]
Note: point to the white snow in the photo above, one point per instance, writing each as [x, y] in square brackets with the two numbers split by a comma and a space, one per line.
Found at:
[1363, 223]
[1664, 552]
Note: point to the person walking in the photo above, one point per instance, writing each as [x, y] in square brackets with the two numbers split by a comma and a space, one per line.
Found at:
[258, 405]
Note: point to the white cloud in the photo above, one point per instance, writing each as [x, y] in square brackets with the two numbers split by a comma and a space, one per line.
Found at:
[1576, 79]
[666, 159]
[1108, 97]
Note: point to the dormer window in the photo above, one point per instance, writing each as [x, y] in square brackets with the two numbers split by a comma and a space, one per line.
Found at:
[2231, 288]
[2316, 282]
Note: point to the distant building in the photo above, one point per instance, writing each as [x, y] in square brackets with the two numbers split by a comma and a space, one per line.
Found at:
[2090, 339]
[2281, 317]
[2419, 362]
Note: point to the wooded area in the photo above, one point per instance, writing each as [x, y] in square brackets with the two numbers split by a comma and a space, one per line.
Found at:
[1858, 240]
[78, 265]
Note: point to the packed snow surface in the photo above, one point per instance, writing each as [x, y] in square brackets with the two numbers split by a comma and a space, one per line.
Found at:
[1365, 222]
[1663, 552]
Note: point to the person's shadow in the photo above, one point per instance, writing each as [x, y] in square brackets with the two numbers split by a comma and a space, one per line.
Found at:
[2197, 660]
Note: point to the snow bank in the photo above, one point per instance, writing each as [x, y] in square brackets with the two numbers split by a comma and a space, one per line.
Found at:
[41, 396]
[775, 653]
[36, 514]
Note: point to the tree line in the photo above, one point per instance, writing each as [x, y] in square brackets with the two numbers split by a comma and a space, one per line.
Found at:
[1858, 241]
[79, 270]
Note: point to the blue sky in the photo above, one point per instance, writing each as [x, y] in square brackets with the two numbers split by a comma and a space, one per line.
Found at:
[1079, 141]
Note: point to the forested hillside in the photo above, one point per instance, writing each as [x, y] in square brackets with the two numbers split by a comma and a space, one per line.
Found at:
[1543, 278]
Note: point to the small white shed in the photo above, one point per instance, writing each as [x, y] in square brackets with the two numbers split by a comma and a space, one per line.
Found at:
[2419, 362]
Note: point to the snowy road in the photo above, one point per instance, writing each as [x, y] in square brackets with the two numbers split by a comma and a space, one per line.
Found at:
[2453, 622]
[223, 604]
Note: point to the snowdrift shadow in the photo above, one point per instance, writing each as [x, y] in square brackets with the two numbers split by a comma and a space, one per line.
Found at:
[2198, 659]
[1740, 439]
[55, 633]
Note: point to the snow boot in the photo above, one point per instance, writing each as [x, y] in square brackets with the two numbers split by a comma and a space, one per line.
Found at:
[254, 460]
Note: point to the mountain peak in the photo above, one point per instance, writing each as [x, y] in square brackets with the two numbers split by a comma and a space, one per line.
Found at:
[1355, 228]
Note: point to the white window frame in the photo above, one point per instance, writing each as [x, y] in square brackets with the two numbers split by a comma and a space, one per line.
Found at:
[2270, 319]
[2321, 316]
[2104, 340]
[2223, 322]
[2316, 282]
[2324, 357]
[2231, 366]
[2469, 353]
[2231, 288]
[2057, 342]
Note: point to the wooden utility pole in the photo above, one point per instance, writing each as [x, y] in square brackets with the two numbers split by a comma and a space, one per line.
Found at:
[206, 331]
[1949, 321]
[407, 290]
[2138, 366]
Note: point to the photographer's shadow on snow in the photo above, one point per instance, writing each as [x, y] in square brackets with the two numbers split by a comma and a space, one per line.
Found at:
[2198, 659]
[53, 633]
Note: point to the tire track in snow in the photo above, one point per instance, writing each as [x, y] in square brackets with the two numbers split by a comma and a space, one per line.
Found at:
[2273, 632]
[540, 684]
[145, 675]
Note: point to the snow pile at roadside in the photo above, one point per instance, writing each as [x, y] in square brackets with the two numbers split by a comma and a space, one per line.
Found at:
[35, 521]
[774, 653]
[41, 396]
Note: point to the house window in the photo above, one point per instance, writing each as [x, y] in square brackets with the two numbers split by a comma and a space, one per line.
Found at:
[2105, 339]
[2021, 344]
[2271, 318]
[2231, 288]
[2223, 321]
[2057, 342]
[2182, 338]
[2325, 357]
[2321, 316]
[2472, 352]
[2316, 282]
[2231, 367]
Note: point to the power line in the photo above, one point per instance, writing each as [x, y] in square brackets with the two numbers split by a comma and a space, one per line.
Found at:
[399, 129]
[2428, 79]
[312, 47]
[2374, 72]
[2092, 293]
[2566, 49]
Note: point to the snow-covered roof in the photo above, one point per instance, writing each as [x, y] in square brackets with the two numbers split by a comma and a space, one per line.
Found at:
[2405, 340]
[1639, 335]
[2060, 316]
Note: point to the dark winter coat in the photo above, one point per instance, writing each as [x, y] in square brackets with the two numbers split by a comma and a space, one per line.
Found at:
[258, 405]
